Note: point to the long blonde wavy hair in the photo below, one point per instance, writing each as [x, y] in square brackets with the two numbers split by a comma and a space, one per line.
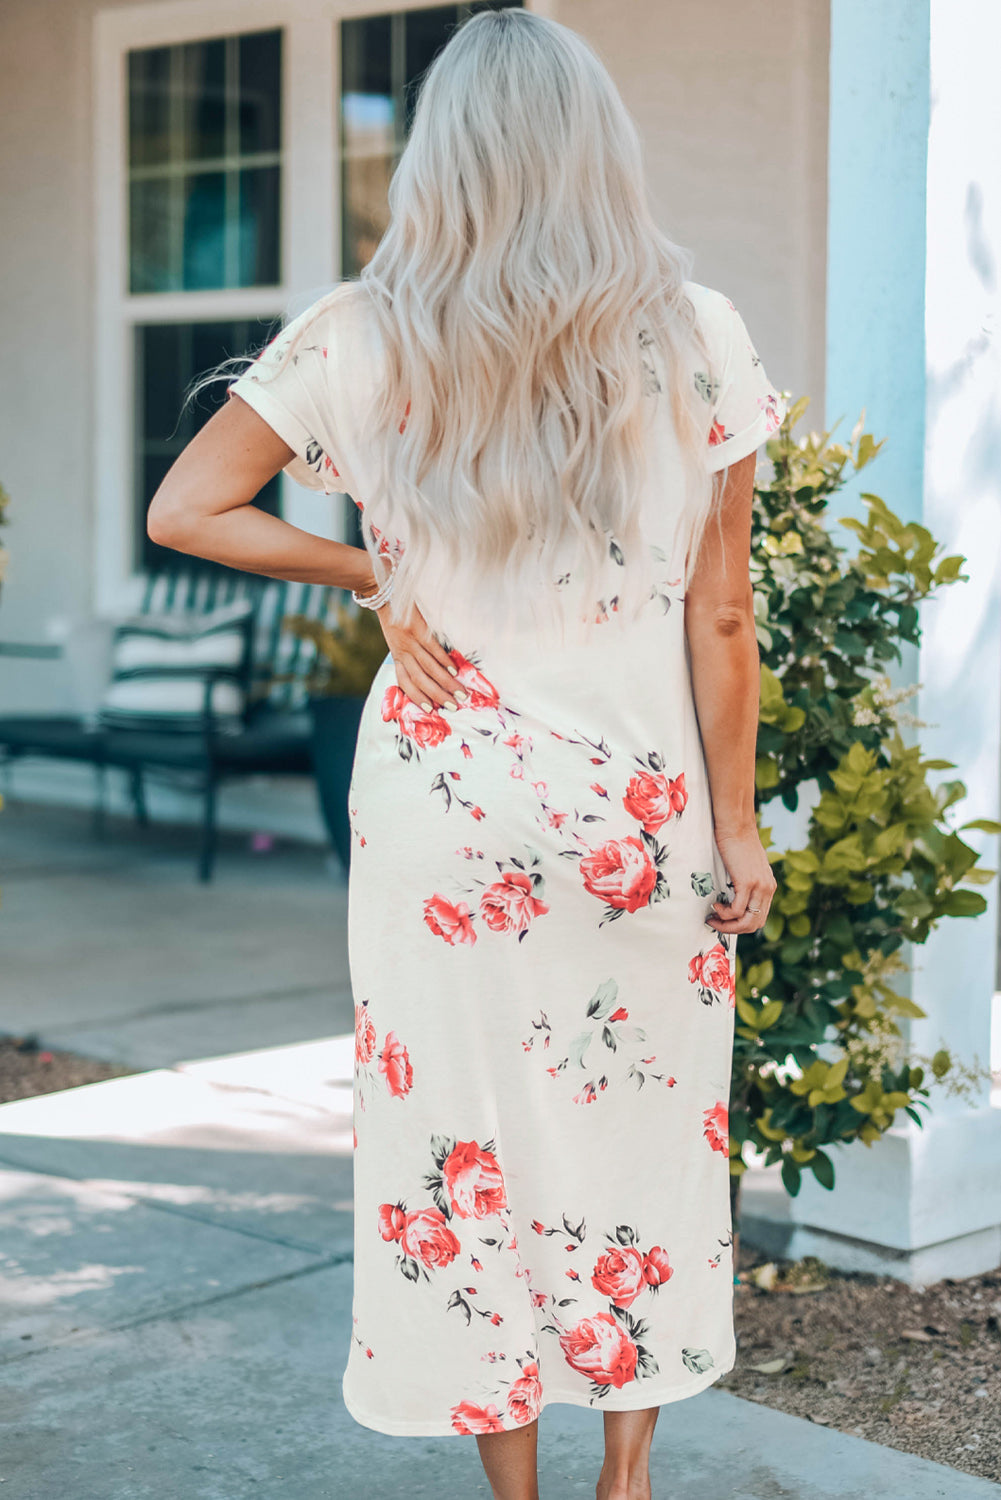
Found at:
[520, 290]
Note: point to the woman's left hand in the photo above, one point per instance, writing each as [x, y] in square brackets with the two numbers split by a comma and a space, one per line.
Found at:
[424, 669]
[746, 863]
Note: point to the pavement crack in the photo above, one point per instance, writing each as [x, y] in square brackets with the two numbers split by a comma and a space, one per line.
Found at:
[171, 1314]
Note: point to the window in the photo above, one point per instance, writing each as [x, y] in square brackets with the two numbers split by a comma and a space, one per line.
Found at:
[205, 164]
[204, 181]
[168, 357]
[382, 61]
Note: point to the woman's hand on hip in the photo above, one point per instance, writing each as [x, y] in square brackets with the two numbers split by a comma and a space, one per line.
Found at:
[746, 863]
[423, 668]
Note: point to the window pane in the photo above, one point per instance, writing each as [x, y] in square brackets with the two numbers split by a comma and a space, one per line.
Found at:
[203, 72]
[258, 227]
[365, 208]
[168, 357]
[205, 168]
[366, 52]
[260, 91]
[383, 59]
[149, 106]
[204, 230]
[149, 235]
[427, 31]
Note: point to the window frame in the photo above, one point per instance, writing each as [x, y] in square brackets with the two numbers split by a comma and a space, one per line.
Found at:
[308, 241]
[310, 234]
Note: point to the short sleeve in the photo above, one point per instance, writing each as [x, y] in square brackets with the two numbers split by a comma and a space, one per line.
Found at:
[293, 396]
[745, 407]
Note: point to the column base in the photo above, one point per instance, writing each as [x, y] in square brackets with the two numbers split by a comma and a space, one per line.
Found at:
[918, 1205]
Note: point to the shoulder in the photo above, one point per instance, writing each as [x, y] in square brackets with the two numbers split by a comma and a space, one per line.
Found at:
[717, 318]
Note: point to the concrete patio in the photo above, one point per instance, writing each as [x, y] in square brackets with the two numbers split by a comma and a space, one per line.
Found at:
[175, 1245]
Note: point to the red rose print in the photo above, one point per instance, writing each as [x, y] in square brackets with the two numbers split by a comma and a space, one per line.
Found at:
[716, 968]
[647, 800]
[619, 1015]
[619, 1275]
[391, 1221]
[599, 1348]
[695, 969]
[395, 1066]
[364, 1035]
[469, 1419]
[466, 750]
[508, 905]
[426, 1237]
[656, 1267]
[717, 434]
[717, 1128]
[677, 795]
[620, 872]
[651, 799]
[524, 1399]
[453, 923]
[482, 693]
[425, 728]
[473, 1181]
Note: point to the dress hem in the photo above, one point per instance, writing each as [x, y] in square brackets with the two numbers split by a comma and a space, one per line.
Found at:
[435, 1429]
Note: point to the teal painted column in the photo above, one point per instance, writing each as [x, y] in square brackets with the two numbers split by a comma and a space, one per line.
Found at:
[877, 159]
[914, 335]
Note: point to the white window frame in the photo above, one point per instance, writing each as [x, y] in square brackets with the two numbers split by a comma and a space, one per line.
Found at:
[310, 233]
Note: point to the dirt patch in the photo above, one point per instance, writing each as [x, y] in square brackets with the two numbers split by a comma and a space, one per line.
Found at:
[918, 1370]
[26, 1069]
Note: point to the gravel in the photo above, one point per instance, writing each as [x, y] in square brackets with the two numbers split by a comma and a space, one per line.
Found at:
[914, 1368]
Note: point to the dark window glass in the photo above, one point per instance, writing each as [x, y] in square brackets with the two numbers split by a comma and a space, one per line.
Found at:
[258, 226]
[205, 164]
[149, 106]
[259, 93]
[204, 230]
[168, 358]
[204, 103]
[383, 59]
[150, 219]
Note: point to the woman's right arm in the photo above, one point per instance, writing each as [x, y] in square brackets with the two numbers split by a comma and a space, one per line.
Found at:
[723, 653]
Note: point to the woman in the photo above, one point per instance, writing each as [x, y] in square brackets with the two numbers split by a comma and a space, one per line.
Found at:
[552, 804]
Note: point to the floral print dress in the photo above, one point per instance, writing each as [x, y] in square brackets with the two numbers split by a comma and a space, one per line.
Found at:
[544, 1020]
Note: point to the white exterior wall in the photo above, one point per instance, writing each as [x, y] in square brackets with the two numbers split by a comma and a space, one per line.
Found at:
[731, 101]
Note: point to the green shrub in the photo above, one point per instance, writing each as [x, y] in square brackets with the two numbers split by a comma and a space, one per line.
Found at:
[819, 1056]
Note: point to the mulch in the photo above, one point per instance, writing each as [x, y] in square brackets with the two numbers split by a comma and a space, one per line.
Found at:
[917, 1369]
[27, 1069]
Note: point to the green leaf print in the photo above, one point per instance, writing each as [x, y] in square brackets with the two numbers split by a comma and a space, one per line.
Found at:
[702, 884]
[579, 1046]
[602, 1002]
[707, 388]
[697, 1360]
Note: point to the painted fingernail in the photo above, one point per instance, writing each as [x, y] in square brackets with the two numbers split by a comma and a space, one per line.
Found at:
[425, 705]
[450, 704]
[454, 670]
[461, 693]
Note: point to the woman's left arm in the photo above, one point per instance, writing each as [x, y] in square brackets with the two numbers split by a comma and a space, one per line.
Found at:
[203, 507]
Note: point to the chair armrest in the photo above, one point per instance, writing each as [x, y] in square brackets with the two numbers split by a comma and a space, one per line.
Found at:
[31, 649]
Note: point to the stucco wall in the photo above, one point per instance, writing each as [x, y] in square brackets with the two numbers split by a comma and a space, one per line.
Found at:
[732, 102]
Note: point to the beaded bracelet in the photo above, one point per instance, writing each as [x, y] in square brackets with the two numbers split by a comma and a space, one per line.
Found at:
[382, 593]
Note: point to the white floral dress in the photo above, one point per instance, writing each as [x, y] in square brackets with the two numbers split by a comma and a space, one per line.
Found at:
[544, 1020]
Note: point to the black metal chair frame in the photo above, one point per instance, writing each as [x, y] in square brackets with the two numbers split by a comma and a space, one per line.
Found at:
[271, 673]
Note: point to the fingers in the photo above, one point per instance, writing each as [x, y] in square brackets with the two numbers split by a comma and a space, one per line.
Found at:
[747, 912]
[426, 684]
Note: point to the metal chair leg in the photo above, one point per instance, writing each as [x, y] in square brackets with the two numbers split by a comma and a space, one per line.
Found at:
[101, 801]
[137, 786]
[206, 859]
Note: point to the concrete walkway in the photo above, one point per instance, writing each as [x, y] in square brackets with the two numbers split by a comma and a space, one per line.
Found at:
[175, 1246]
